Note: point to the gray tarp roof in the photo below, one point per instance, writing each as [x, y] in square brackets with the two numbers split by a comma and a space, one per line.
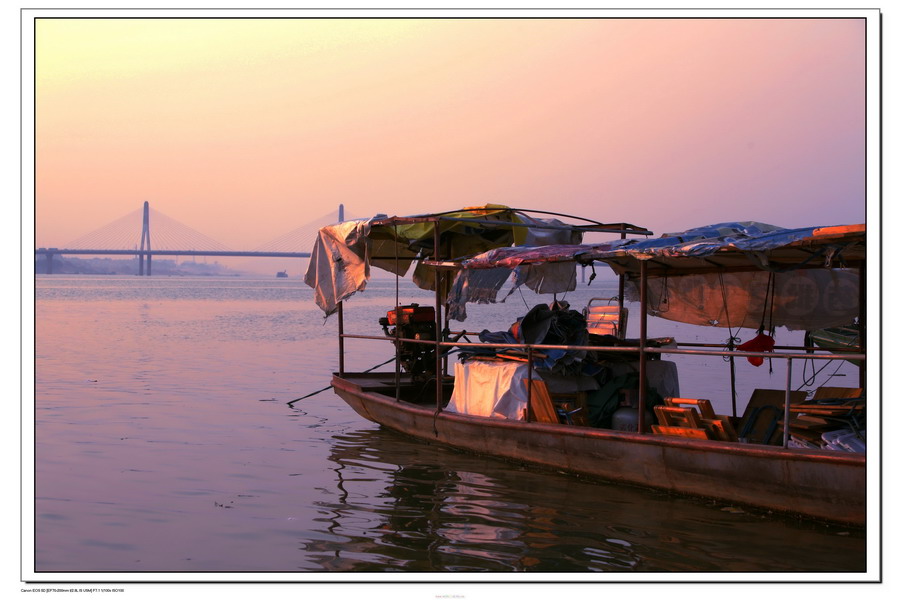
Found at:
[721, 247]
[727, 275]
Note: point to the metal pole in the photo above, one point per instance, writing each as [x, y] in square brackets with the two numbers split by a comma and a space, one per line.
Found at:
[439, 374]
[340, 308]
[445, 363]
[862, 324]
[731, 364]
[530, 383]
[622, 296]
[642, 371]
[787, 405]
[341, 315]
[631, 350]
[398, 316]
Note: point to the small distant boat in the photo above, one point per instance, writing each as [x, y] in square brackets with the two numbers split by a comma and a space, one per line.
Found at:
[281, 274]
[836, 339]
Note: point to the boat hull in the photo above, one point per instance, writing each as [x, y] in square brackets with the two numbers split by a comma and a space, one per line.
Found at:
[824, 485]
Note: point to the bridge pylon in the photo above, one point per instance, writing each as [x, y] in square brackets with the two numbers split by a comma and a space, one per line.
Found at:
[145, 236]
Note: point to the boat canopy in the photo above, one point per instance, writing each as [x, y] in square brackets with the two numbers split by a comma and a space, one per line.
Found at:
[729, 275]
[343, 253]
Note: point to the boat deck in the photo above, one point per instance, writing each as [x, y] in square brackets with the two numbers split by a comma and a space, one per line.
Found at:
[419, 392]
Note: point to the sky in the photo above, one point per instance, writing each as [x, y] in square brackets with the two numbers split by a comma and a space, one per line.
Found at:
[245, 129]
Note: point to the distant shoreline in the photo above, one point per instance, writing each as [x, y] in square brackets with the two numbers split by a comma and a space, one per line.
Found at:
[130, 266]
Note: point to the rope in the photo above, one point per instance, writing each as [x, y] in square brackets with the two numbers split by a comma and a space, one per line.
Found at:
[768, 306]
[808, 382]
[724, 302]
[523, 298]
[664, 297]
[732, 338]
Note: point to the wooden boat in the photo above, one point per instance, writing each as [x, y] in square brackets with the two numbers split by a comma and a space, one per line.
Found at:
[683, 457]
[826, 485]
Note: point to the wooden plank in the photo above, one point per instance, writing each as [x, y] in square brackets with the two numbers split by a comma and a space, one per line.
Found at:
[837, 392]
[704, 406]
[687, 432]
[759, 423]
[806, 435]
[730, 433]
[720, 429]
[678, 416]
[542, 408]
[808, 422]
[662, 417]
[829, 410]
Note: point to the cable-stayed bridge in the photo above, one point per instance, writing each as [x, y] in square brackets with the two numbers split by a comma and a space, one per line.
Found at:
[130, 235]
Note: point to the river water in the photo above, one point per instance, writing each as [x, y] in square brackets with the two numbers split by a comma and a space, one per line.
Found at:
[164, 444]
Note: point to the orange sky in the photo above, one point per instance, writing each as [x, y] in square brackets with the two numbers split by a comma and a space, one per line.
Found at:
[246, 129]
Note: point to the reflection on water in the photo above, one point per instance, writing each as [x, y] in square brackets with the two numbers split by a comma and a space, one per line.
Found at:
[442, 510]
[164, 444]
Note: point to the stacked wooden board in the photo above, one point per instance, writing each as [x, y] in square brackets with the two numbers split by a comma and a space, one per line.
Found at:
[830, 409]
[680, 417]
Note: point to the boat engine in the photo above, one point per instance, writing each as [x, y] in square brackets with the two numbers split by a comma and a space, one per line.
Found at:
[414, 322]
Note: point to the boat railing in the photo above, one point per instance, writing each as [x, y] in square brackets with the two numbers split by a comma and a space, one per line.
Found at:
[625, 349]
[703, 350]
